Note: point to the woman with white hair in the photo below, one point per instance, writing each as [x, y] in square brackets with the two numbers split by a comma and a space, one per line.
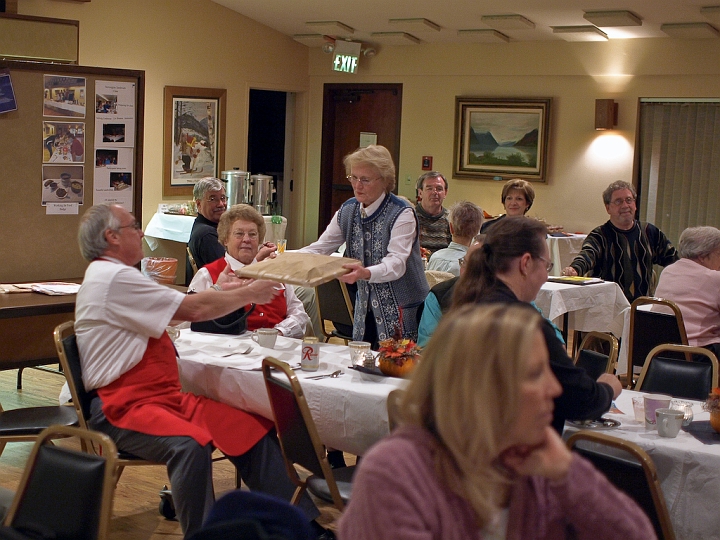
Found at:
[693, 283]
[475, 456]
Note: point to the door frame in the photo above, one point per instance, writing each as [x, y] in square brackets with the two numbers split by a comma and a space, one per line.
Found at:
[327, 144]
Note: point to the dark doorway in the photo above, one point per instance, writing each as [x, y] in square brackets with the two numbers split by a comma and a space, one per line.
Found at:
[348, 111]
[266, 138]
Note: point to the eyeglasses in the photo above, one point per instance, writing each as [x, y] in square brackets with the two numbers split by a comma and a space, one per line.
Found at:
[135, 226]
[548, 264]
[213, 199]
[461, 261]
[437, 189]
[252, 235]
[627, 200]
[364, 180]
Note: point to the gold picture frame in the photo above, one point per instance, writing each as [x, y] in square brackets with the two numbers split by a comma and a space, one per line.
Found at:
[499, 139]
[194, 137]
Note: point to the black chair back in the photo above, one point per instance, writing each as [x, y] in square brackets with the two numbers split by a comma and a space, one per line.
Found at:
[335, 305]
[595, 363]
[74, 371]
[630, 469]
[692, 377]
[651, 328]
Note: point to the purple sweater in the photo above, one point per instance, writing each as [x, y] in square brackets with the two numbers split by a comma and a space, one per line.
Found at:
[397, 495]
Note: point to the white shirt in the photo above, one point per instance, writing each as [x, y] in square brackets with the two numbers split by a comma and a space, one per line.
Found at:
[117, 311]
[392, 265]
[295, 321]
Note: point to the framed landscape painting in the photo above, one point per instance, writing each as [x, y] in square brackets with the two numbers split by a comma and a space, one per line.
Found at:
[499, 139]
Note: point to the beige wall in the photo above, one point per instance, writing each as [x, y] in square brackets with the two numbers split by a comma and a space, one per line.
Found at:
[184, 43]
[582, 161]
[199, 43]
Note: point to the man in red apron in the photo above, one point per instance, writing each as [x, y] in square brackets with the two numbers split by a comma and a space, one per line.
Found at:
[129, 360]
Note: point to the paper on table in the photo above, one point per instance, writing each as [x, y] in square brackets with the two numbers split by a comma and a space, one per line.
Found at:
[575, 280]
[56, 288]
[304, 269]
[15, 287]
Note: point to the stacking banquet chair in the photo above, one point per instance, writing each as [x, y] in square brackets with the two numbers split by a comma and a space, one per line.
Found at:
[651, 328]
[631, 470]
[70, 361]
[682, 378]
[26, 423]
[299, 438]
[64, 494]
[596, 362]
[335, 306]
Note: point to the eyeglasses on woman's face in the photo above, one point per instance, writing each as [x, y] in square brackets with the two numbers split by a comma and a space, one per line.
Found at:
[364, 180]
[548, 264]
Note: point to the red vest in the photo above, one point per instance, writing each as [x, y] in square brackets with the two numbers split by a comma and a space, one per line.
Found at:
[264, 315]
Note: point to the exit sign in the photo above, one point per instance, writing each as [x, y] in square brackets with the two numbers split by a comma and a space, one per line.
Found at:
[346, 56]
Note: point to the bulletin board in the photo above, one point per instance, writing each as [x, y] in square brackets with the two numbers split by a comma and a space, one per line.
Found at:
[38, 232]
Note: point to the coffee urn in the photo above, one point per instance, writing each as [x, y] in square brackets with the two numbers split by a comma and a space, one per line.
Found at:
[263, 189]
[238, 187]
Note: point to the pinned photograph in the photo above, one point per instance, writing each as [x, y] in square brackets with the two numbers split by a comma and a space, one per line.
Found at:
[62, 184]
[63, 142]
[7, 94]
[64, 96]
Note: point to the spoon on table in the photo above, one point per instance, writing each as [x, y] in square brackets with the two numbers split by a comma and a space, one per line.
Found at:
[333, 375]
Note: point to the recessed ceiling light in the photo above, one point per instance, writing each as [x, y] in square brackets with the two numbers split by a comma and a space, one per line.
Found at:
[510, 21]
[311, 40]
[483, 36]
[416, 25]
[580, 33]
[690, 30]
[612, 18]
[334, 28]
[711, 13]
[395, 38]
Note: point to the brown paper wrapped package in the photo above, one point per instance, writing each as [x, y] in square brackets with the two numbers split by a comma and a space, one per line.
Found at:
[303, 269]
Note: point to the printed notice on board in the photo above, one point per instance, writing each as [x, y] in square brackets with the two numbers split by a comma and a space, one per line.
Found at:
[114, 143]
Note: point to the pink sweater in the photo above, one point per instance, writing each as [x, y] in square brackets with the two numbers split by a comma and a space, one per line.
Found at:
[396, 495]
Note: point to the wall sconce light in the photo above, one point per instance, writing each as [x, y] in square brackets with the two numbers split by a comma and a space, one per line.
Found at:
[606, 114]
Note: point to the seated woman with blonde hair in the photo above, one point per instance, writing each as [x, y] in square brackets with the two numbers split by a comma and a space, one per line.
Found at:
[475, 456]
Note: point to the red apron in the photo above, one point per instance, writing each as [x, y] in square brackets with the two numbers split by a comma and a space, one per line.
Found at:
[148, 399]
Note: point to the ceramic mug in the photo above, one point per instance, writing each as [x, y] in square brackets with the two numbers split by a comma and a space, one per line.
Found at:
[265, 337]
[653, 402]
[669, 421]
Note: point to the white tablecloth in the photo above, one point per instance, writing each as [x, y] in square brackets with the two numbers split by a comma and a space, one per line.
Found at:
[177, 228]
[349, 411]
[688, 470]
[563, 250]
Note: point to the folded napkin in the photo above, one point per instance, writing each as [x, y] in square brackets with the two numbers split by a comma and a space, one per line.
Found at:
[56, 288]
[303, 269]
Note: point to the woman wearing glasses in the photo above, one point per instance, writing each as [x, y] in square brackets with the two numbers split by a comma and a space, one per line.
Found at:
[380, 230]
[510, 268]
[240, 230]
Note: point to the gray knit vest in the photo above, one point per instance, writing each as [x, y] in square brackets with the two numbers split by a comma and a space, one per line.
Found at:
[367, 240]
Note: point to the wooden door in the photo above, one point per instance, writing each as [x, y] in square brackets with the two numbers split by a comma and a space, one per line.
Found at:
[348, 111]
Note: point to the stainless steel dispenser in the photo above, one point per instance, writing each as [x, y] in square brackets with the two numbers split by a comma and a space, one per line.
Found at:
[263, 189]
[238, 187]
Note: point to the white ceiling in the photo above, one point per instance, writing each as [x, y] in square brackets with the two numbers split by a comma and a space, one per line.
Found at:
[372, 16]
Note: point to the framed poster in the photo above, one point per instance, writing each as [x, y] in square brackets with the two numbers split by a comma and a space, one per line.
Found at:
[500, 139]
[194, 137]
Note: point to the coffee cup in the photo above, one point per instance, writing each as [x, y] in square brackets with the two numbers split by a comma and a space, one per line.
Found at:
[653, 402]
[358, 349]
[265, 337]
[669, 421]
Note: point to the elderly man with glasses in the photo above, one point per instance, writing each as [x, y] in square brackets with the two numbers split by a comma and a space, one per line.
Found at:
[209, 195]
[435, 232]
[623, 249]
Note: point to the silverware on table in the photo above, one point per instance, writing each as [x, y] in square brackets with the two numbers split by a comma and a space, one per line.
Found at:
[333, 375]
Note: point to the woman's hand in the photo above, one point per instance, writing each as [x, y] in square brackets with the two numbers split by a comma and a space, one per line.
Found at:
[357, 272]
[268, 249]
[262, 291]
[551, 458]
